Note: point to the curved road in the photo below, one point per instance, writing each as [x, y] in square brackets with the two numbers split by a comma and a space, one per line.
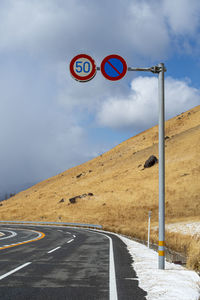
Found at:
[41, 262]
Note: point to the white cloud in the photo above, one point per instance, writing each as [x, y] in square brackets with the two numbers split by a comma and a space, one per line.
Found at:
[140, 108]
[38, 137]
[41, 27]
[182, 15]
[44, 112]
[60, 29]
[146, 30]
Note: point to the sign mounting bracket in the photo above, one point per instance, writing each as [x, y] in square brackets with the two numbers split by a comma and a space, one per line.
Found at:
[154, 69]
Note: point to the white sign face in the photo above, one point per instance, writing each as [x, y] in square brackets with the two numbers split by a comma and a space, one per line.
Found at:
[83, 67]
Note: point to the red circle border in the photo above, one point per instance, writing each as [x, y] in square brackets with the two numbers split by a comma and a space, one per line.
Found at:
[83, 78]
[117, 77]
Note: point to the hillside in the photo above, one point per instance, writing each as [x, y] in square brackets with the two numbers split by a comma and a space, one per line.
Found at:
[123, 191]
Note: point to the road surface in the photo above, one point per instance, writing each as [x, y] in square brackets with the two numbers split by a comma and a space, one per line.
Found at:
[45, 262]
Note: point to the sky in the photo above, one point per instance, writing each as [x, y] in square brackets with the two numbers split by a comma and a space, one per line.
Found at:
[50, 122]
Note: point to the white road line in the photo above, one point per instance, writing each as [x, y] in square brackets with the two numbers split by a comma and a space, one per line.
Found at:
[112, 279]
[70, 241]
[15, 270]
[13, 233]
[54, 249]
[74, 235]
[112, 276]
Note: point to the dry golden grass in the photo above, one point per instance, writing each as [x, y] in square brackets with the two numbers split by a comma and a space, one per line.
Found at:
[193, 255]
[123, 191]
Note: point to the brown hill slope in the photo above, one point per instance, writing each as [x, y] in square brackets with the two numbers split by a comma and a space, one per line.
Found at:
[123, 191]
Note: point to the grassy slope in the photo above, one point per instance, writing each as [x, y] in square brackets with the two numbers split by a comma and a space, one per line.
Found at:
[123, 191]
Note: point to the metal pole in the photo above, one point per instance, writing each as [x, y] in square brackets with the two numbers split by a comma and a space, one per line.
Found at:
[159, 69]
[161, 243]
[149, 228]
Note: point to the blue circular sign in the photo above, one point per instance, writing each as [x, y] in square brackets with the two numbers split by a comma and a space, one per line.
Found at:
[113, 67]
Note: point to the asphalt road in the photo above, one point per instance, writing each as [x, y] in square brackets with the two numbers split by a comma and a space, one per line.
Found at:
[41, 262]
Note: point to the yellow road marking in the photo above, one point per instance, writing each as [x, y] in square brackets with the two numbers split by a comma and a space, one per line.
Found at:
[26, 242]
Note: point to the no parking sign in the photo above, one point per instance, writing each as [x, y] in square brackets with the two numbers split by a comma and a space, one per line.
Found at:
[113, 67]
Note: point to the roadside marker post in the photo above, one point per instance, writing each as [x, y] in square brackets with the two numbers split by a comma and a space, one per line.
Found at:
[114, 68]
[149, 225]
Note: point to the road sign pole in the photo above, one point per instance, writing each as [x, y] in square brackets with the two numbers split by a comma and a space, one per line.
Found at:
[160, 69]
[161, 243]
[114, 67]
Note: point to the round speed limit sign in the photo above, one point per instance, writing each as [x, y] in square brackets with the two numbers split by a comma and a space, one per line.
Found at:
[82, 67]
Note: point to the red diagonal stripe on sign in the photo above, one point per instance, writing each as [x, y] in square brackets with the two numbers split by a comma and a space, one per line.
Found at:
[113, 67]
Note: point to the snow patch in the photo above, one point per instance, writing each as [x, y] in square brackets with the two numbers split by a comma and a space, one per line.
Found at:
[192, 228]
[173, 283]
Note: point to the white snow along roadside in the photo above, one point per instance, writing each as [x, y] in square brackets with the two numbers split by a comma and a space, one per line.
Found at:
[173, 283]
[192, 228]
